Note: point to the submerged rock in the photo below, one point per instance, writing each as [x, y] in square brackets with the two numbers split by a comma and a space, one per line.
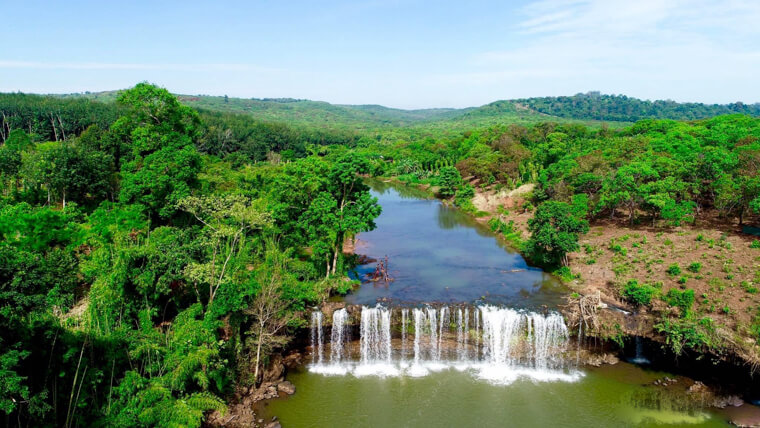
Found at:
[597, 360]
[706, 395]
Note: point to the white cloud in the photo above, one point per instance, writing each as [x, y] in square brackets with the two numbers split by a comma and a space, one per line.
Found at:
[648, 48]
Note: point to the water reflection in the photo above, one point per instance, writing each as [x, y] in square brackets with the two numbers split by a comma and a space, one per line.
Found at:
[438, 253]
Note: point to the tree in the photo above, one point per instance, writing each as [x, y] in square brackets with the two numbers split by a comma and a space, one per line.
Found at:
[227, 221]
[554, 232]
[164, 162]
[343, 209]
[269, 310]
[449, 181]
[625, 187]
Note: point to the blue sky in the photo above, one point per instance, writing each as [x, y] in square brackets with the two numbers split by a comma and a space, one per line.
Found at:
[407, 54]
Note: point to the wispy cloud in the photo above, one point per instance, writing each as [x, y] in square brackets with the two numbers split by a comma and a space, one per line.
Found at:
[608, 44]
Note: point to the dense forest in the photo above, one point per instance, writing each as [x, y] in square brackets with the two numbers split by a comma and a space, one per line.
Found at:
[620, 108]
[154, 256]
[141, 280]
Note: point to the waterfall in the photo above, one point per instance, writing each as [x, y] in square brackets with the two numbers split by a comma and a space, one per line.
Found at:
[375, 338]
[549, 336]
[419, 318]
[460, 336]
[504, 345]
[500, 328]
[339, 336]
[639, 358]
[443, 323]
[466, 331]
[433, 324]
[316, 335]
[404, 316]
[476, 314]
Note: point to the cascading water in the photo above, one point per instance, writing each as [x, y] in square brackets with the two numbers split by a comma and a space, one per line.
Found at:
[316, 335]
[404, 316]
[504, 345]
[375, 338]
[339, 337]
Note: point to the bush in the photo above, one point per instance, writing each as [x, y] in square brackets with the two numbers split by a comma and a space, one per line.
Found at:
[674, 269]
[683, 300]
[554, 233]
[639, 295]
[755, 244]
[686, 333]
[695, 267]
[463, 198]
[449, 179]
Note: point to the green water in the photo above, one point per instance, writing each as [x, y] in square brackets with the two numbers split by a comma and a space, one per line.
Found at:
[604, 397]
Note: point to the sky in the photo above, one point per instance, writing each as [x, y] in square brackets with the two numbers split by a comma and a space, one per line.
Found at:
[405, 54]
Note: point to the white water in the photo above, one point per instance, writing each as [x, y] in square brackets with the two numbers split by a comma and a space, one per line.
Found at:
[339, 337]
[316, 335]
[505, 344]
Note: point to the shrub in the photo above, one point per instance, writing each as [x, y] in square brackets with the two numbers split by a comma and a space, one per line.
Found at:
[639, 294]
[683, 300]
[449, 179]
[674, 269]
[695, 267]
[618, 249]
[748, 287]
[755, 244]
[686, 333]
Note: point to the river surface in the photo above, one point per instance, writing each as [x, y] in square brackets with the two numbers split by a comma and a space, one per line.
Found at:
[438, 254]
[612, 396]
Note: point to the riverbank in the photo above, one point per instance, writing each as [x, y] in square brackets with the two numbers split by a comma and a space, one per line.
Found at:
[711, 258]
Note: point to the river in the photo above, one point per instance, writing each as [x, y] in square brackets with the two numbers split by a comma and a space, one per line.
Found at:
[490, 351]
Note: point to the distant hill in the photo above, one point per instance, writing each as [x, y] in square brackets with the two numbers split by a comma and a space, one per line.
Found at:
[620, 108]
[591, 107]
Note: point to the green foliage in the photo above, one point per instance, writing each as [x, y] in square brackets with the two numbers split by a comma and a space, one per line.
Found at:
[639, 294]
[674, 269]
[449, 180]
[683, 300]
[688, 333]
[164, 162]
[554, 233]
[136, 312]
[695, 267]
[463, 198]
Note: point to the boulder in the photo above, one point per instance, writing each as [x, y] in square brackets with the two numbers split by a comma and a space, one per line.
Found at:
[286, 387]
[275, 371]
[293, 360]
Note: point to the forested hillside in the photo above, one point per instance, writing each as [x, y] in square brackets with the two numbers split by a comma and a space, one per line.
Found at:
[620, 108]
[590, 108]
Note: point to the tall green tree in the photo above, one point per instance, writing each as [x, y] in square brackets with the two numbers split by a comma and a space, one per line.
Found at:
[163, 164]
[554, 232]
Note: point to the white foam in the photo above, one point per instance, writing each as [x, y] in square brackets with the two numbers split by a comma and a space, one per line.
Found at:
[492, 373]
